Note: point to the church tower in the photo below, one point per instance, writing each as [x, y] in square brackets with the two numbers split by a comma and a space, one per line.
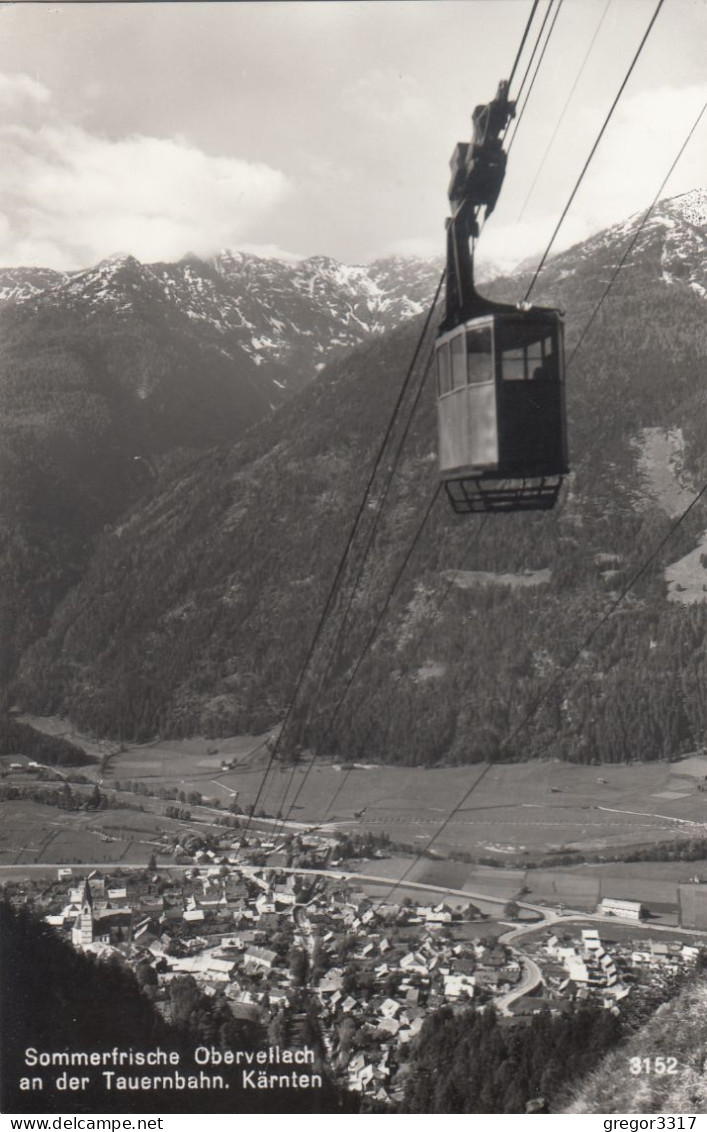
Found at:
[82, 931]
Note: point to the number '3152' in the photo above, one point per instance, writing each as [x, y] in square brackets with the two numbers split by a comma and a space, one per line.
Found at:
[658, 1065]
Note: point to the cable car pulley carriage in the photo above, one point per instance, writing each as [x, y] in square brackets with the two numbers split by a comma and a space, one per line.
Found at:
[500, 367]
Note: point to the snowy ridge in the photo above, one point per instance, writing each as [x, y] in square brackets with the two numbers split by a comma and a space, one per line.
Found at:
[672, 240]
[18, 284]
[294, 315]
[290, 317]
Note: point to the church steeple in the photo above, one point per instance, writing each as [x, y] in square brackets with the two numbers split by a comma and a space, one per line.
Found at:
[82, 931]
[86, 898]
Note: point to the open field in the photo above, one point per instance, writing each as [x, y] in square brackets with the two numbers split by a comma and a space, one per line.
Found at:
[33, 833]
[502, 884]
[517, 810]
[581, 887]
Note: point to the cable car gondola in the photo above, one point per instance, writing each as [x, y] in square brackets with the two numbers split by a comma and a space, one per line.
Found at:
[500, 367]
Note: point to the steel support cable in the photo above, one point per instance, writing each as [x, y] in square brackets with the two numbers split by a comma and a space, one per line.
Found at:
[344, 558]
[534, 52]
[383, 499]
[595, 146]
[374, 527]
[565, 108]
[541, 699]
[519, 119]
[624, 257]
[370, 639]
[519, 52]
[406, 430]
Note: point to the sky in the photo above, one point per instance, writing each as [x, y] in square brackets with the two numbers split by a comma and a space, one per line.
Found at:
[325, 128]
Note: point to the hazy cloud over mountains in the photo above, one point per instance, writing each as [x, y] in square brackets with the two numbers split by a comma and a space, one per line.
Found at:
[71, 195]
[326, 128]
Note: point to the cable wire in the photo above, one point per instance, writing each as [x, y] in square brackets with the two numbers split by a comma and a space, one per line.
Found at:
[565, 108]
[369, 640]
[360, 572]
[522, 42]
[519, 119]
[533, 53]
[344, 557]
[632, 242]
[553, 684]
[382, 501]
[448, 589]
[594, 148]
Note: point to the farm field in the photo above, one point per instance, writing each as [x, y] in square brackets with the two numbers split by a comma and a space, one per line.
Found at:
[518, 809]
[31, 833]
[503, 884]
[650, 882]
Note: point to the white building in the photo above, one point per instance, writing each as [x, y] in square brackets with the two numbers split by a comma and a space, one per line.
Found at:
[626, 909]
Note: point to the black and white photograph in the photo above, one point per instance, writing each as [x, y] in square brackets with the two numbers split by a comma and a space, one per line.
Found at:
[353, 560]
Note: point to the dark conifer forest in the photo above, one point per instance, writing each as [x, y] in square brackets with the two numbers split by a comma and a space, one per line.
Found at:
[471, 1061]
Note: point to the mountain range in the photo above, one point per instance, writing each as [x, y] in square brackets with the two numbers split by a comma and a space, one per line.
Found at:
[288, 318]
[194, 608]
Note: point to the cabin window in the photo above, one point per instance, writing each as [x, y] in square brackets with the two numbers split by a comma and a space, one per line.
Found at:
[478, 355]
[458, 362]
[444, 373]
[530, 361]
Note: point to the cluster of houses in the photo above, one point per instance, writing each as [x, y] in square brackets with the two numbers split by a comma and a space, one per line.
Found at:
[269, 939]
[375, 970]
[587, 967]
[405, 967]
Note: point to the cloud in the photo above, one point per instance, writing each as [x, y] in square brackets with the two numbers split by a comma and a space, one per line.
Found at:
[269, 251]
[20, 90]
[417, 247]
[70, 197]
[639, 148]
[633, 158]
[386, 98]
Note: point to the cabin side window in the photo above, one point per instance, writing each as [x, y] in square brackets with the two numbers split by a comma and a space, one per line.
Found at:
[458, 362]
[444, 372]
[479, 357]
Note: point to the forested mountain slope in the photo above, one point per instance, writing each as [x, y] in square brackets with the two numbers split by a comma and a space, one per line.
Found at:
[105, 372]
[198, 608]
[87, 401]
[56, 998]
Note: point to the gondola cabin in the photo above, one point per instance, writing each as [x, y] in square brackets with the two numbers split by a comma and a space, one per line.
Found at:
[501, 410]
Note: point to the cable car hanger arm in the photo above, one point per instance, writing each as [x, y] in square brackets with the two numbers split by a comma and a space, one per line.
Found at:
[478, 169]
